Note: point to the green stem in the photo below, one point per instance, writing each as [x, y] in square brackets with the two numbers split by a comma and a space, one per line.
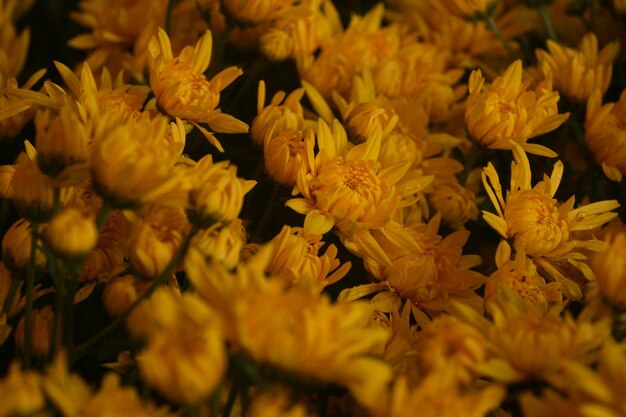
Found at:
[491, 24]
[8, 302]
[215, 402]
[30, 283]
[68, 312]
[103, 215]
[470, 161]
[547, 22]
[168, 15]
[160, 280]
[57, 329]
[230, 402]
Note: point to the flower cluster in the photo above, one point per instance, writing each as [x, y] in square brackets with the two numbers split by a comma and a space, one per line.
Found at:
[297, 208]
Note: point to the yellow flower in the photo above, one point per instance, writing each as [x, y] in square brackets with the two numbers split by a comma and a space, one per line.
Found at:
[70, 234]
[121, 292]
[114, 399]
[41, 331]
[286, 153]
[604, 134]
[16, 249]
[294, 330]
[517, 284]
[455, 202]
[576, 73]
[447, 344]
[31, 190]
[417, 264]
[469, 9]
[530, 345]
[17, 104]
[154, 238]
[21, 392]
[216, 193]
[276, 405]
[61, 145]
[347, 189]
[507, 110]
[132, 163]
[66, 391]
[186, 360]
[297, 260]
[609, 267]
[183, 91]
[541, 227]
[284, 112]
[222, 243]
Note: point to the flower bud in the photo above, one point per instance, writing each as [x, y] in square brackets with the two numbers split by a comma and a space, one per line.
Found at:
[71, 235]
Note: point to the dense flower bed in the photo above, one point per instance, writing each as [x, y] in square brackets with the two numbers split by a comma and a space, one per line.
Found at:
[313, 208]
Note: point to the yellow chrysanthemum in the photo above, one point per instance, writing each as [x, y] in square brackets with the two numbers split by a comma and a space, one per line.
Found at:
[294, 330]
[221, 243]
[284, 112]
[182, 90]
[132, 163]
[347, 190]
[297, 260]
[416, 264]
[469, 8]
[609, 267]
[605, 135]
[455, 202]
[16, 245]
[22, 392]
[155, 237]
[286, 153]
[31, 190]
[216, 192]
[541, 227]
[576, 73]
[70, 234]
[507, 110]
[530, 345]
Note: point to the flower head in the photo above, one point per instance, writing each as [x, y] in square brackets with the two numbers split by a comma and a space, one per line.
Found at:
[507, 110]
[609, 267]
[182, 90]
[469, 9]
[576, 73]
[282, 113]
[605, 135]
[541, 227]
[70, 234]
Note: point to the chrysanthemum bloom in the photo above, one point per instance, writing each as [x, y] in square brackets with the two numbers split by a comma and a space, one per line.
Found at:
[286, 153]
[419, 265]
[517, 283]
[114, 399]
[182, 90]
[41, 331]
[132, 163]
[449, 345]
[186, 360]
[282, 113]
[121, 30]
[532, 346]
[70, 234]
[276, 404]
[576, 73]
[437, 395]
[541, 227]
[16, 248]
[216, 193]
[609, 267]
[605, 135]
[507, 110]
[455, 202]
[155, 237]
[363, 44]
[22, 392]
[346, 189]
[294, 330]
[31, 191]
[469, 9]
[120, 293]
[61, 145]
[297, 260]
[221, 243]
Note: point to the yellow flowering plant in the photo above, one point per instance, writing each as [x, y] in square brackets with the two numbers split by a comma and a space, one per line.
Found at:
[273, 208]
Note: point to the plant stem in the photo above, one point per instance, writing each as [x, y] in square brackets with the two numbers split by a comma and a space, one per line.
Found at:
[230, 402]
[30, 283]
[160, 280]
[8, 302]
[102, 216]
[491, 24]
[168, 15]
[547, 22]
